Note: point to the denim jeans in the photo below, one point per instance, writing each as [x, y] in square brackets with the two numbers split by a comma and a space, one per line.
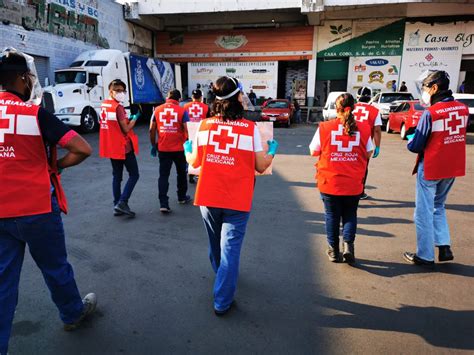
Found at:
[226, 230]
[44, 235]
[130, 163]
[430, 214]
[166, 162]
[339, 208]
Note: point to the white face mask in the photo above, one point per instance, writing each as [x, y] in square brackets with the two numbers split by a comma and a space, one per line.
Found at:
[120, 96]
[426, 98]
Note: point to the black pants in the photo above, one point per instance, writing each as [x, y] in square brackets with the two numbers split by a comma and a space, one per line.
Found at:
[366, 174]
[166, 162]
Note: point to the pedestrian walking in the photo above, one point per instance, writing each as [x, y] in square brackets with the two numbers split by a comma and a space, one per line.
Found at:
[440, 142]
[369, 115]
[253, 97]
[297, 111]
[31, 197]
[119, 143]
[228, 149]
[344, 147]
[169, 122]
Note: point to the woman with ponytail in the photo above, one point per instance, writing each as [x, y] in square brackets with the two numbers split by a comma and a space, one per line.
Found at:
[229, 150]
[344, 147]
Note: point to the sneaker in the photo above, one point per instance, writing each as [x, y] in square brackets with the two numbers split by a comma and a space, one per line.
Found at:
[445, 253]
[364, 196]
[122, 206]
[186, 200]
[333, 254]
[412, 258]
[90, 304]
[165, 210]
[118, 213]
[225, 311]
[348, 254]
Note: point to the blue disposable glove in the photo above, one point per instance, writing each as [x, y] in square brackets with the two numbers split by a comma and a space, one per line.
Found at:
[188, 146]
[153, 151]
[135, 116]
[376, 152]
[410, 136]
[272, 147]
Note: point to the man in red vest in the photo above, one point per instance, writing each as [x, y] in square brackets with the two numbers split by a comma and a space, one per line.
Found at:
[440, 141]
[370, 116]
[31, 197]
[169, 121]
[197, 111]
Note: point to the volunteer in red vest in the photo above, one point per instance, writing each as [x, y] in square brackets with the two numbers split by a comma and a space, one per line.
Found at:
[31, 197]
[169, 121]
[344, 147]
[197, 111]
[369, 115]
[440, 141]
[228, 149]
[119, 143]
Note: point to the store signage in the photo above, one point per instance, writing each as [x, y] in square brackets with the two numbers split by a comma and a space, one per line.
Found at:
[377, 62]
[231, 42]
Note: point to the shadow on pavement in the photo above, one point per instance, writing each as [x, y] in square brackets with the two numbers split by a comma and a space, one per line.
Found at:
[438, 326]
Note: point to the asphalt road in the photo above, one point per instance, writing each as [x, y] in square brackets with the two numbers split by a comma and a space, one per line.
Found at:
[154, 281]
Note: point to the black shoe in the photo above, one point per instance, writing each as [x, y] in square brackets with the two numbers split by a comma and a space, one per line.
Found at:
[186, 200]
[165, 209]
[445, 253]
[348, 254]
[333, 254]
[221, 313]
[191, 179]
[412, 258]
[122, 206]
[364, 196]
[118, 213]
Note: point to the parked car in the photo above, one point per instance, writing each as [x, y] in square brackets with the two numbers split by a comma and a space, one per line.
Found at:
[467, 99]
[383, 100]
[329, 110]
[404, 118]
[278, 111]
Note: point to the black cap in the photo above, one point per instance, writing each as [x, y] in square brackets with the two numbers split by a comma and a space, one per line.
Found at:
[13, 62]
[197, 93]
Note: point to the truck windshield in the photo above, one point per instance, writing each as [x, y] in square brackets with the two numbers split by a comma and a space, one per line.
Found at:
[70, 77]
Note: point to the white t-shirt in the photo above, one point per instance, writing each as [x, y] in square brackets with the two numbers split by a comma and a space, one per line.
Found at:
[378, 120]
[315, 145]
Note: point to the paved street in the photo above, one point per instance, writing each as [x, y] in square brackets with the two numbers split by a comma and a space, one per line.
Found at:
[154, 280]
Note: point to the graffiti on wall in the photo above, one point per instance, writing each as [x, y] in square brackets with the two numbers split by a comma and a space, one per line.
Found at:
[66, 18]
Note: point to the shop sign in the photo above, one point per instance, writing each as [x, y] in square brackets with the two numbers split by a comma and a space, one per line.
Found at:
[231, 42]
[377, 62]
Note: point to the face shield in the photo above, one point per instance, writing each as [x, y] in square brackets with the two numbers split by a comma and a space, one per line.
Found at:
[246, 103]
[30, 77]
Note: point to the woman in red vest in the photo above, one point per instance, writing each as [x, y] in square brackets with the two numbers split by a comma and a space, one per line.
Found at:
[119, 143]
[228, 149]
[344, 147]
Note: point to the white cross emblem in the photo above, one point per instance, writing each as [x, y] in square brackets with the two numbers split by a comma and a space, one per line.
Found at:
[339, 143]
[457, 122]
[216, 138]
[196, 111]
[7, 123]
[169, 117]
[361, 114]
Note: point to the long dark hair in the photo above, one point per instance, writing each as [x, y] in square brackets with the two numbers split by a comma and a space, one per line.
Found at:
[344, 107]
[227, 108]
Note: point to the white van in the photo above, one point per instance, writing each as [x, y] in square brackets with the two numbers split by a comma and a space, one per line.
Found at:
[468, 100]
[329, 110]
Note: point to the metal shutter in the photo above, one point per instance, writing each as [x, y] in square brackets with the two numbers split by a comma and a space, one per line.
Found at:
[42, 68]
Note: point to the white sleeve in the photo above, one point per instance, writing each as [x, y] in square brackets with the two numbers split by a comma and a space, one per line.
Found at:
[378, 120]
[370, 145]
[315, 144]
[257, 140]
[196, 140]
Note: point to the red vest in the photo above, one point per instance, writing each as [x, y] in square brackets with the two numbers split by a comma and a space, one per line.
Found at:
[171, 132]
[366, 114]
[197, 111]
[24, 171]
[445, 152]
[112, 140]
[227, 159]
[341, 166]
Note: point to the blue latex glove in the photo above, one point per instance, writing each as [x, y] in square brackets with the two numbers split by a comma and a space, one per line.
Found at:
[376, 152]
[410, 136]
[272, 147]
[135, 116]
[188, 146]
[153, 151]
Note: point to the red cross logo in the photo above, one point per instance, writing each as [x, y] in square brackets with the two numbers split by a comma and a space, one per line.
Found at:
[352, 141]
[223, 139]
[361, 114]
[454, 123]
[103, 115]
[7, 123]
[169, 117]
[196, 111]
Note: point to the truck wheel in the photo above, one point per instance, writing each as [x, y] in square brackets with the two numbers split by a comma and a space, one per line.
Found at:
[89, 120]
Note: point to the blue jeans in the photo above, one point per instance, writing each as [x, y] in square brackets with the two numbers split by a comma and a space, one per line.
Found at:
[430, 214]
[130, 163]
[226, 230]
[167, 159]
[339, 208]
[44, 235]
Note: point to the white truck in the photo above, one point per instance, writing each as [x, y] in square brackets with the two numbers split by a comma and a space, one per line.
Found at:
[78, 91]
